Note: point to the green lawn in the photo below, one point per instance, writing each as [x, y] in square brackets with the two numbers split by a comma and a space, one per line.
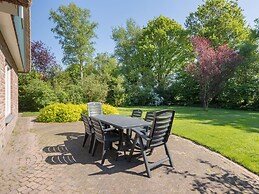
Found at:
[232, 133]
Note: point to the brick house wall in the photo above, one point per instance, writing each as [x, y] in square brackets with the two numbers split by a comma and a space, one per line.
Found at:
[6, 130]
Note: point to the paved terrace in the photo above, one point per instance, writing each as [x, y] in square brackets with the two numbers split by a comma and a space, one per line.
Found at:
[49, 158]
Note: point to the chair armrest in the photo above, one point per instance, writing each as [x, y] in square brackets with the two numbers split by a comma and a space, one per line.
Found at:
[139, 131]
[108, 129]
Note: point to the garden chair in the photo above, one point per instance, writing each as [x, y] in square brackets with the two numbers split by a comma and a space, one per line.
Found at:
[105, 136]
[135, 113]
[149, 118]
[158, 136]
[94, 108]
[89, 131]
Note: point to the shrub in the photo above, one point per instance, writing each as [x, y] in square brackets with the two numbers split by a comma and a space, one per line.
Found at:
[94, 89]
[108, 109]
[60, 112]
[35, 95]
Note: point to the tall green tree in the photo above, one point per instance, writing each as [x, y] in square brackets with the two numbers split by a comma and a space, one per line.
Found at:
[106, 67]
[126, 51]
[163, 50]
[150, 56]
[223, 22]
[220, 21]
[75, 33]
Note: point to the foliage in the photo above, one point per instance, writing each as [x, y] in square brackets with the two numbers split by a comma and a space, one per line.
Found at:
[184, 90]
[43, 61]
[108, 109]
[74, 31]
[61, 113]
[220, 21]
[94, 89]
[106, 68]
[149, 57]
[234, 134]
[126, 49]
[162, 51]
[35, 95]
[213, 67]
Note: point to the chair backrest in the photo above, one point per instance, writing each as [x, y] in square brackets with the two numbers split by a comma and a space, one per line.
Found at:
[94, 108]
[87, 124]
[161, 128]
[136, 113]
[149, 116]
[98, 129]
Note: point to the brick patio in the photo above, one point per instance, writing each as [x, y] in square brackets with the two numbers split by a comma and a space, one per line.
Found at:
[49, 158]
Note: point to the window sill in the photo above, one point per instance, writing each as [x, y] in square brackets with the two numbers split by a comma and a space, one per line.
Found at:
[8, 119]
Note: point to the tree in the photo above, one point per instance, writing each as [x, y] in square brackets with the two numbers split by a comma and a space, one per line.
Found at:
[212, 68]
[107, 69]
[220, 21]
[94, 89]
[162, 48]
[126, 49]
[75, 33]
[43, 61]
[149, 57]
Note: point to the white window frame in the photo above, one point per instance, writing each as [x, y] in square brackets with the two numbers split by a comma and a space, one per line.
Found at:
[7, 90]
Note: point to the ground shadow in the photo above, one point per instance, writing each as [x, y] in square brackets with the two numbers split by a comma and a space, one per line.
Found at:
[71, 152]
[224, 179]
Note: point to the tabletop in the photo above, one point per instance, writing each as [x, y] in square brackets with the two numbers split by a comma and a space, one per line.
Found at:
[122, 121]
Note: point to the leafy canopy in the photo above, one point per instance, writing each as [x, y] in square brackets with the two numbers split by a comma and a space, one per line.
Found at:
[221, 21]
[212, 67]
[75, 32]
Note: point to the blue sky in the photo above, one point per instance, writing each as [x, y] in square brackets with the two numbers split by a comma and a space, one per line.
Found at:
[114, 13]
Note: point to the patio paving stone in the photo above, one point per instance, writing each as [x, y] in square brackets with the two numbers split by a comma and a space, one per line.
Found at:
[49, 158]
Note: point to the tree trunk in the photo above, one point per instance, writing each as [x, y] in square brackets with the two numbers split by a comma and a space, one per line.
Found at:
[81, 73]
[204, 98]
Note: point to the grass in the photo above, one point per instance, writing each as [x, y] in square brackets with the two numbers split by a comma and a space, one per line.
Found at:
[30, 114]
[232, 133]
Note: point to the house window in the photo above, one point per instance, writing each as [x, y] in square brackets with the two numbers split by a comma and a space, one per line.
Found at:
[7, 90]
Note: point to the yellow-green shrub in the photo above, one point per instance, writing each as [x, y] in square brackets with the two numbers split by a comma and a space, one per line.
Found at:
[108, 109]
[60, 112]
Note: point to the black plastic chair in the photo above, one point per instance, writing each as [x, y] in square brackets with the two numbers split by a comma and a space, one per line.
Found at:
[149, 118]
[135, 113]
[89, 132]
[104, 136]
[94, 108]
[158, 136]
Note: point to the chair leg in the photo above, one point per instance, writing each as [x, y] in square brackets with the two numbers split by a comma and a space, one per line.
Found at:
[150, 152]
[94, 147]
[105, 148]
[91, 143]
[145, 158]
[86, 136]
[168, 154]
[132, 147]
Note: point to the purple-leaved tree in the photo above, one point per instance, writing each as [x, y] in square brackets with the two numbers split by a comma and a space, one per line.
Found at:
[43, 61]
[212, 67]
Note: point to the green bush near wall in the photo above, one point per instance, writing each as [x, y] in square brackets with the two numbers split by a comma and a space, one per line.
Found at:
[61, 113]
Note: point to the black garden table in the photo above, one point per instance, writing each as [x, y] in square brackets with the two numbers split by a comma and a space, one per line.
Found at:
[122, 122]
